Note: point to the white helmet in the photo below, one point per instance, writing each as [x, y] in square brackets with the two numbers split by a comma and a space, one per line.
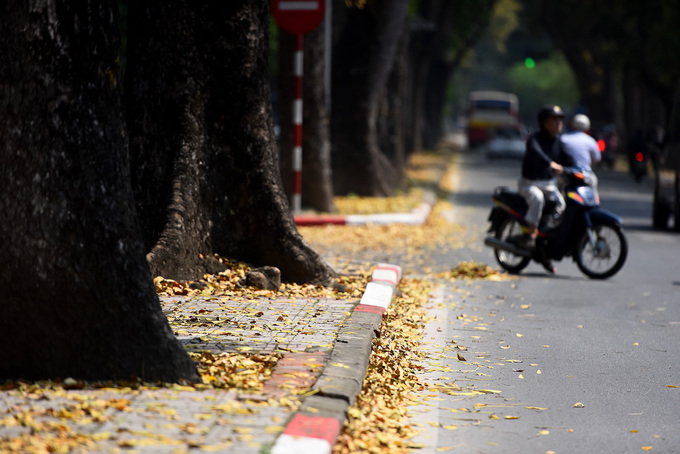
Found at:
[580, 123]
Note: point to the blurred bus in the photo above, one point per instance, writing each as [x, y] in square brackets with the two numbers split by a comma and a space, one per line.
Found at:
[487, 110]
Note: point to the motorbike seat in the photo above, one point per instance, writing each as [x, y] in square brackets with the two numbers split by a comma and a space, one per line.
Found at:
[509, 197]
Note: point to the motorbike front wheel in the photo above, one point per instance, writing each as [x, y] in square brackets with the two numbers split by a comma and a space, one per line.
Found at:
[607, 256]
[508, 261]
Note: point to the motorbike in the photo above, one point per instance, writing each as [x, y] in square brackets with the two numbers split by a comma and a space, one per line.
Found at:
[593, 237]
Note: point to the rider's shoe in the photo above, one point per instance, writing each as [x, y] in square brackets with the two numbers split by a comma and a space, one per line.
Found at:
[549, 267]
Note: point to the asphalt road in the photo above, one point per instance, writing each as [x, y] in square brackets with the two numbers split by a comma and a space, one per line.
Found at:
[559, 363]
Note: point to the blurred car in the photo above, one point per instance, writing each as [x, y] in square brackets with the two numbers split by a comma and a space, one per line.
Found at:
[506, 143]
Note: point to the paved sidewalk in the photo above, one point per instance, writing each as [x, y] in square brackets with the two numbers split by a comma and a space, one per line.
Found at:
[325, 345]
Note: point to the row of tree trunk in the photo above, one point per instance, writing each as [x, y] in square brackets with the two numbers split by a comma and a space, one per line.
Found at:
[110, 178]
[390, 71]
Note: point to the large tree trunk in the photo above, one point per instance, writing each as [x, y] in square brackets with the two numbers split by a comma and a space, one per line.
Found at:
[642, 109]
[317, 179]
[459, 25]
[166, 99]
[77, 296]
[435, 100]
[391, 120]
[363, 57]
[221, 176]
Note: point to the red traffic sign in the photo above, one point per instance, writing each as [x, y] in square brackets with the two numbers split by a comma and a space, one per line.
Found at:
[298, 16]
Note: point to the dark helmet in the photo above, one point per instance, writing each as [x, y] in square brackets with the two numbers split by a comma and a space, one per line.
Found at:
[549, 111]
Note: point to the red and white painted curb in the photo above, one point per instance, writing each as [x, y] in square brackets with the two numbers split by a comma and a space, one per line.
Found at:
[417, 216]
[308, 434]
[379, 292]
[312, 434]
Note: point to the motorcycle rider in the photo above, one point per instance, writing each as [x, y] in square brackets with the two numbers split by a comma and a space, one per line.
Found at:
[542, 162]
[581, 147]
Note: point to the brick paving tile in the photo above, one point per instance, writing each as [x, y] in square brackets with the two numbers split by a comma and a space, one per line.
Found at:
[176, 420]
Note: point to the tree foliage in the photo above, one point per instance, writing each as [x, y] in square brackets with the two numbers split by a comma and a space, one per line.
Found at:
[551, 80]
[607, 42]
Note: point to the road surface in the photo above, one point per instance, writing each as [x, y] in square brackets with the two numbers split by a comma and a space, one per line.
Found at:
[559, 363]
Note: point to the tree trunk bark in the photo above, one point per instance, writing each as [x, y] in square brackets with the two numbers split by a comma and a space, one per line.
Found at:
[391, 119]
[166, 99]
[363, 57]
[224, 186]
[317, 178]
[435, 97]
[77, 296]
[422, 29]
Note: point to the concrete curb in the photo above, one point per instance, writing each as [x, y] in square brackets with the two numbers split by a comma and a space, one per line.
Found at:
[417, 216]
[315, 427]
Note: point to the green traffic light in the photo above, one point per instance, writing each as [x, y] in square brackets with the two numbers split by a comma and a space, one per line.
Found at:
[529, 62]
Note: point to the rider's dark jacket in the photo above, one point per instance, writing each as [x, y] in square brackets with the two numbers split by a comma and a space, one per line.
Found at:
[541, 149]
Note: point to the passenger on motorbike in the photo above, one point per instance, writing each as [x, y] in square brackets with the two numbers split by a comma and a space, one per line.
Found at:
[581, 147]
[543, 160]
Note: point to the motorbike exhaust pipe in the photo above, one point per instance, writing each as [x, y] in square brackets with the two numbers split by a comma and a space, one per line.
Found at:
[505, 246]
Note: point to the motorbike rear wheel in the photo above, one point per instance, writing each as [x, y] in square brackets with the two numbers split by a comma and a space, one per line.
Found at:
[507, 260]
[609, 254]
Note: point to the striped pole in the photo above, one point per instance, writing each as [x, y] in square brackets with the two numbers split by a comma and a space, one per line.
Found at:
[297, 125]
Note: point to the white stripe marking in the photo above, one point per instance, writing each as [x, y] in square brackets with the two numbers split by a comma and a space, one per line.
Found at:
[297, 203]
[376, 294]
[298, 63]
[288, 444]
[299, 6]
[297, 112]
[297, 158]
[385, 275]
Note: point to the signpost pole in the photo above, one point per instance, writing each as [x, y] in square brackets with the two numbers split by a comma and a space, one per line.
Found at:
[297, 125]
[298, 17]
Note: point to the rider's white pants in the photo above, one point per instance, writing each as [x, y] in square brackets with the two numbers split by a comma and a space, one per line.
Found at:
[536, 192]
